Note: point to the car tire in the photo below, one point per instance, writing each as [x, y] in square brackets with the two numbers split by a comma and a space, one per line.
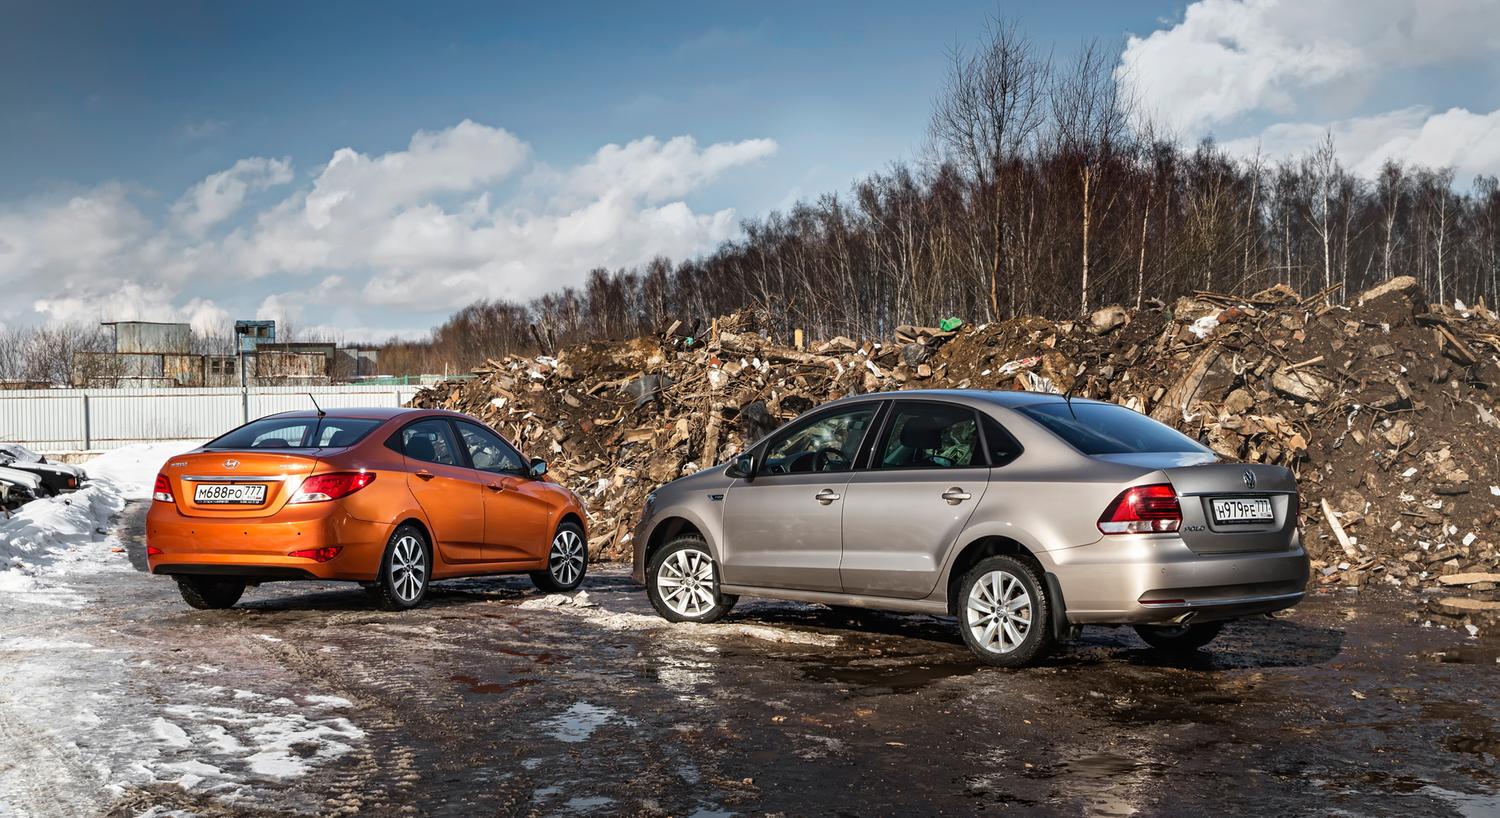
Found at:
[1004, 613]
[210, 593]
[405, 570]
[682, 582]
[567, 561]
[1179, 638]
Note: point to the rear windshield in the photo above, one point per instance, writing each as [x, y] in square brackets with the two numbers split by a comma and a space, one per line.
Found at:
[296, 433]
[1104, 428]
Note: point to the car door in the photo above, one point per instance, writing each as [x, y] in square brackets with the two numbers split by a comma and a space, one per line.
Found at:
[446, 489]
[783, 529]
[517, 508]
[903, 514]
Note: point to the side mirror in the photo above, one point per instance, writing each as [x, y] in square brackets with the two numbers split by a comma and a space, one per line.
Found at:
[538, 467]
[742, 467]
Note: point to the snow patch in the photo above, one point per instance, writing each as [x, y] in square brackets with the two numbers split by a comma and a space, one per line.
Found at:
[630, 621]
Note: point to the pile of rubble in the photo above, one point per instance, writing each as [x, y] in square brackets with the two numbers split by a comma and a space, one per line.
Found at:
[1385, 407]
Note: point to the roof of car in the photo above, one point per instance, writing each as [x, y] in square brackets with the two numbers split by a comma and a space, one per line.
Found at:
[1000, 397]
[367, 412]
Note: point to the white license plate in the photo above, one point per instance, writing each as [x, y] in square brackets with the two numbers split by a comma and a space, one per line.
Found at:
[1243, 510]
[229, 494]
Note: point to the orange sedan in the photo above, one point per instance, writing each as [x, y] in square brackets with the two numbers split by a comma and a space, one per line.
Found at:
[390, 498]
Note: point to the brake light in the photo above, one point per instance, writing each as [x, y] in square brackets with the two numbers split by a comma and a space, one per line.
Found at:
[321, 488]
[1143, 510]
[323, 554]
[163, 491]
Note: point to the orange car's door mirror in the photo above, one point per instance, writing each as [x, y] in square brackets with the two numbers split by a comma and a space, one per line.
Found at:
[538, 467]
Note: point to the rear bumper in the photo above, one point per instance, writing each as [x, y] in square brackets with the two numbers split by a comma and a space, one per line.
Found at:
[259, 548]
[1157, 580]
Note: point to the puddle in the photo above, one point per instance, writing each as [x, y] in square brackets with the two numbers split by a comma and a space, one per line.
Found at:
[578, 722]
[477, 686]
[872, 678]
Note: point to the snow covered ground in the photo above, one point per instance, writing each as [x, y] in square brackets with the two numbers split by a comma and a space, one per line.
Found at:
[91, 706]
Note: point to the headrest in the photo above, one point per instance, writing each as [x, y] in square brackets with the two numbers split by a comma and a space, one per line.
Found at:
[419, 447]
[921, 434]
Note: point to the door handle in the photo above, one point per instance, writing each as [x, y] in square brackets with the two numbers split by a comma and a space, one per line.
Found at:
[424, 474]
[495, 486]
[826, 496]
[956, 495]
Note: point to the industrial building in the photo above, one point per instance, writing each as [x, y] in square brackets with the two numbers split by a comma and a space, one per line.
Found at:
[152, 354]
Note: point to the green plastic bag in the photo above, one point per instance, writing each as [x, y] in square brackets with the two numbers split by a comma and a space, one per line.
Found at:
[950, 324]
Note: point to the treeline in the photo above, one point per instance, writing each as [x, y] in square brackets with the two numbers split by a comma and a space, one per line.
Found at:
[1041, 191]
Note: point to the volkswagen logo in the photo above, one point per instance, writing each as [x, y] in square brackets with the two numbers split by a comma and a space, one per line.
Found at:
[231, 463]
[1249, 477]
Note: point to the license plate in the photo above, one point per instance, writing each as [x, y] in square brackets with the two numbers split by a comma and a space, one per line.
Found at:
[1243, 510]
[229, 494]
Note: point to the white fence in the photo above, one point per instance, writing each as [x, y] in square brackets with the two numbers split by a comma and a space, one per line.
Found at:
[71, 419]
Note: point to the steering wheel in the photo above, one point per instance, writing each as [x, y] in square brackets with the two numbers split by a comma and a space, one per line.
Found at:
[827, 458]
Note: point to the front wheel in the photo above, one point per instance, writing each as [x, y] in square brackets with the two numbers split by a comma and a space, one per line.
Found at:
[1003, 612]
[404, 570]
[210, 593]
[682, 582]
[1179, 638]
[567, 561]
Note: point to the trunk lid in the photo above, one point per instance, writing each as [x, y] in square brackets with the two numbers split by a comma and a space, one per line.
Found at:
[280, 473]
[1199, 480]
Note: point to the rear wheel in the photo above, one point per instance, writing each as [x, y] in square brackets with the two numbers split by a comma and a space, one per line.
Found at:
[211, 593]
[1179, 638]
[404, 570]
[567, 561]
[1004, 612]
[682, 582]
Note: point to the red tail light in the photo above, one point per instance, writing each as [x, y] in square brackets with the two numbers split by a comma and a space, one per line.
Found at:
[152, 551]
[1143, 510]
[163, 490]
[321, 488]
[323, 554]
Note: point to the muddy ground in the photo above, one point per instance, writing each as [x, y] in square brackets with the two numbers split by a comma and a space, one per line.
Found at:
[490, 701]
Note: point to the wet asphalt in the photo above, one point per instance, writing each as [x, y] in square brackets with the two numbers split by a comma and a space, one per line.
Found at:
[487, 702]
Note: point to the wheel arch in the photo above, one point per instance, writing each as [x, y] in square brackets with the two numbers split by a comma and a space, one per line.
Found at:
[670, 528]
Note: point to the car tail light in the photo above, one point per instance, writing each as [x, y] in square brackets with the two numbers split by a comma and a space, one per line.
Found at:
[163, 490]
[324, 487]
[323, 554]
[1143, 510]
[152, 551]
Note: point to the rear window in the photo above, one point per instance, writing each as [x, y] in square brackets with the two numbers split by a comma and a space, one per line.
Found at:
[296, 433]
[1103, 428]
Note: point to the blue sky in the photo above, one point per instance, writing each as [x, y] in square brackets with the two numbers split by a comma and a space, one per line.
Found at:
[167, 160]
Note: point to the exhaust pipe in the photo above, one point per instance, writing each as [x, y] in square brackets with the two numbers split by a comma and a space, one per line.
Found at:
[1185, 618]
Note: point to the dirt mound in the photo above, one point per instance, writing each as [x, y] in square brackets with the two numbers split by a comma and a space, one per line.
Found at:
[1385, 408]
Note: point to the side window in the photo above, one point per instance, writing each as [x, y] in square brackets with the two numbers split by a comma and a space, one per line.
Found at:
[1003, 446]
[488, 452]
[430, 441]
[827, 444]
[931, 436]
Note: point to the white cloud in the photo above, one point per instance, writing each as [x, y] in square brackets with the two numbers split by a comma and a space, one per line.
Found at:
[217, 197]
[132, 301]
[1466, 141]
[458, 214]
[1228, 58]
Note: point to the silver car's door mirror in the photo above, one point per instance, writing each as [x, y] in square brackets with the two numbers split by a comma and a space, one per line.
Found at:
[742, 467]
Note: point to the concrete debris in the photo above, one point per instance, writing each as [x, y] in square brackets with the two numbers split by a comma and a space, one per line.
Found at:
[1379, 406]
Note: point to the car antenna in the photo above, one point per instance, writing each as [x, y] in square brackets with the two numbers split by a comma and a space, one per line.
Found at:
[1068, 395]
[314, 400]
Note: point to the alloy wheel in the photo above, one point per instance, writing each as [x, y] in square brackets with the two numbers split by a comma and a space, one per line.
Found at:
[999, 612]
[686, 582]
[566, 560]
[408, 568]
